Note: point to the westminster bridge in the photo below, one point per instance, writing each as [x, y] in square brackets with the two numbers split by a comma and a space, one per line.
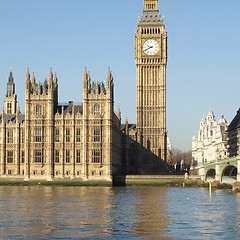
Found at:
[224, 170]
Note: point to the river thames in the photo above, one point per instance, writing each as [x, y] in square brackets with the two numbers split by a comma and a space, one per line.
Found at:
[118, 213]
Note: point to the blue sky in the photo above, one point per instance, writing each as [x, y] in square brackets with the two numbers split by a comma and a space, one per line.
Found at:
[203, 69]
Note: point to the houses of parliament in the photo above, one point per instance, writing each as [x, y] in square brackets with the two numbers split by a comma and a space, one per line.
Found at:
[50, 140]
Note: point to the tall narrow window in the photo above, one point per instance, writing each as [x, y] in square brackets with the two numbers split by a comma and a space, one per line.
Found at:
[57, 136]
[78, 135]
[97, 134]
[10, 136]
[38, 134]
[23, 156]
[96, 109]
[56, 156]
[9, 156]
[78, 156]
[23, 136]
[9, 108]
[96, 156]
[67, 134]
[38, 156]
[38, 109]
[67, 156]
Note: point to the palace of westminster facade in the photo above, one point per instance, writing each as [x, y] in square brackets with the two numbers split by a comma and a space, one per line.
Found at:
[88, 141]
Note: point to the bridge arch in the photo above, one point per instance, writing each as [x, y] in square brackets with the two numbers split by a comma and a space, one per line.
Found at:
[229, 174]
[210, 175]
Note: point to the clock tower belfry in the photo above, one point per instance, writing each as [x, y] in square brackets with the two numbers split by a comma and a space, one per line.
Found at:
[151, 62]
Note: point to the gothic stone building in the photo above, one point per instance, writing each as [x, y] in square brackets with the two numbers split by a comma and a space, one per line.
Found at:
[56, 141]
[88, 141]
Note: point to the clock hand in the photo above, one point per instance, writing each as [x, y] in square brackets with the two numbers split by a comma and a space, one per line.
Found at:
[148, 48]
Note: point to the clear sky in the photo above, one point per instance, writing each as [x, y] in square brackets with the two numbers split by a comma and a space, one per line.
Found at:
[203, 69]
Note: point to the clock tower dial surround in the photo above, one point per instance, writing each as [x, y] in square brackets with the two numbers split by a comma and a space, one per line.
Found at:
[151, 62]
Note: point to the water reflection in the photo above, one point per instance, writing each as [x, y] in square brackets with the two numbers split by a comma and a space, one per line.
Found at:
[151, 213]
[117, 213]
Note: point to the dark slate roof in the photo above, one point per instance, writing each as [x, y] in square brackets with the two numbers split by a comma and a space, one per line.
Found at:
[69, 107]
[151, 17]
[235, 123]
[130, 127]
[12, 118]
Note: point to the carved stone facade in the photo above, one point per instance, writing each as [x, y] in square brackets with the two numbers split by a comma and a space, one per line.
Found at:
[211, 142]
[54, 140]
[51, 140]
[151, 62]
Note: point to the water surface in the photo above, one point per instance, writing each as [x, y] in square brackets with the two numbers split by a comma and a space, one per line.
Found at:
[118, 213]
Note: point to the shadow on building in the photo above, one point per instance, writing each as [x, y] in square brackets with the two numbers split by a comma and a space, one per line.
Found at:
[137, 159]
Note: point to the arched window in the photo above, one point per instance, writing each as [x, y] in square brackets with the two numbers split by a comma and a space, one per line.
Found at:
[96, 109]
[38, 109]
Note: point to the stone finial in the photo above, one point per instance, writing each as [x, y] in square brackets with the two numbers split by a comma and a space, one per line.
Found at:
[119, 112]
[33, 78]
[50, 76]
[28, 75]
[55, 79]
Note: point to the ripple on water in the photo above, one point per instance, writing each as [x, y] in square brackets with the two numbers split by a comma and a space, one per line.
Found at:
[118, 213]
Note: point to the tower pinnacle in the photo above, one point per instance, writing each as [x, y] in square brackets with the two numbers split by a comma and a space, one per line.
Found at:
[150, 5]
[10, 85]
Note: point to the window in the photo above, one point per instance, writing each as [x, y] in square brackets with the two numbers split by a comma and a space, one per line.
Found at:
[38, 109]
[96, 156]
[96, 134]
[9, 156]
[23, 156]
[96, 109]
[10, 136]
[38, 134]
[38, 156]
[78, 156]
[78, 135]
[9, 108]
[67, 156]
[23, 136]
[67, 135]
[57, 136]
[56, 156]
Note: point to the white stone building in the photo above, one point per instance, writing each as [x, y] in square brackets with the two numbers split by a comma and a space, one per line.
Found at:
[211, 141]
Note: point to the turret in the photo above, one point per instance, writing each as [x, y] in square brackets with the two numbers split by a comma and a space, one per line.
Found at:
[10, 100]
[50, 79]
[10, 86]
[109, 83]
[86, 83]
[55, 79]
[109, 79]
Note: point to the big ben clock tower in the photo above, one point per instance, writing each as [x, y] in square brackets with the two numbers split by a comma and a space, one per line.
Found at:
[151, 62]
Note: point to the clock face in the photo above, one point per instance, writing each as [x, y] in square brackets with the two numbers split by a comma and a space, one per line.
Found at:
[151, 47]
